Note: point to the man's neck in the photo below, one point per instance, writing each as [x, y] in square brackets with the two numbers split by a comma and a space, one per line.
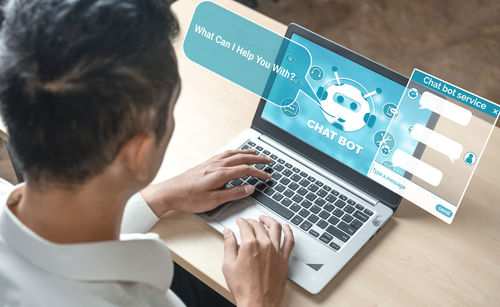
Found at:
[85, 213]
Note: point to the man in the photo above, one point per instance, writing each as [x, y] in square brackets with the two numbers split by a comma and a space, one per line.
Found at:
[87, 91]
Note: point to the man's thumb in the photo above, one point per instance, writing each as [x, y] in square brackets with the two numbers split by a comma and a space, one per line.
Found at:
[230, 246]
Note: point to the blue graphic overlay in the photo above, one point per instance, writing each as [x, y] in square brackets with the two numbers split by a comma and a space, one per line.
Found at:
[248, 54]
[356, 107]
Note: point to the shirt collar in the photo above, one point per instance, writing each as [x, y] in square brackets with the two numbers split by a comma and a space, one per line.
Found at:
[133, 258]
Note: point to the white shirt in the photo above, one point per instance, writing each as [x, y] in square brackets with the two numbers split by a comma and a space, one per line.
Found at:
[136, 270]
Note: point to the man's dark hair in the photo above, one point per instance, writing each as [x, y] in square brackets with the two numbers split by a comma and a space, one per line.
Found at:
[79, 78]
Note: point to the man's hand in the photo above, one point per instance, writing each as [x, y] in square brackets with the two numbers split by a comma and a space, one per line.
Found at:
[201, 188]
[256, 271]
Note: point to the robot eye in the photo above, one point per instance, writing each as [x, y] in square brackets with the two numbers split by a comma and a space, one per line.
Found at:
[354, 106]
[340, 99]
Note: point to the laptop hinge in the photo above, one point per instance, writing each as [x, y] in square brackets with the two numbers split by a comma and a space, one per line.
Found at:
[325, 173]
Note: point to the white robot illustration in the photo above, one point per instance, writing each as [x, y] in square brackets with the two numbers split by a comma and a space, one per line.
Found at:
[344, 105]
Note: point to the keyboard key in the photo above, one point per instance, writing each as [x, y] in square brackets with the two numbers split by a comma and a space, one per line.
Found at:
[334, 246]
[333, 220]
[327, 188]
[306, 225]
[280, 188]
[360, 216]
[253, 181]
[267, 152]
[274, 157]
[276, 176]
[325, 238]
[271, 183]
[346, 228]
[356, 224]
[359, 207]
[297, 198]
[288, 165]
[322, 193]
[287, 172]
[310, 196]
[304, 213]
[281, 161]
[288, 193]
[319, 183]
[315, 209]
[261, 186]
[335, 192]
[259, 148]
[297, 220]
[313, 188]
[322, 224]
[295, 207]
[331, 198]
[339, 203]
[302, 191]
[251, 143]
[304, 182]
[306, 204]
[284, 181]
[338, 234]
[338, 212]
[320, 201]
[313, 218]
[286, 202]
[349, 209]
[351, 202]
[237, 182]
[343, 197]
[295, 178]
[260, 166]
[324, 215]
[296, 169]
[277, 197]
[278, 167]
[272, 205]
[314, 233]
[269, 170]
[368, 212]
[329, 207]
[269, 192]
[311, 178]
[303, 174]
[347, 218]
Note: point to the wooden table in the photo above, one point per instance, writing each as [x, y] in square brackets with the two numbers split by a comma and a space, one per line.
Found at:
[415, 259]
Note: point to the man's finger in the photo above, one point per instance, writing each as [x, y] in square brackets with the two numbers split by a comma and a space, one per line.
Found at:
[226, 174]
[242, 158]
[274, 230]
[230, 246]
[229, 153]
[246, 231]
[288, 242]
[260, 231]
[234, 193]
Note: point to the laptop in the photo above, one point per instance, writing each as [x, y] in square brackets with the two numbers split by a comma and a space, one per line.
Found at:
[320, 156]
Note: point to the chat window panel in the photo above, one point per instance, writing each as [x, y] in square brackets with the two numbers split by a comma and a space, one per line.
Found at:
[437, 174]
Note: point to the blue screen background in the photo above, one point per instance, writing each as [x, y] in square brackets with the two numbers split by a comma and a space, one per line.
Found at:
[308, 110]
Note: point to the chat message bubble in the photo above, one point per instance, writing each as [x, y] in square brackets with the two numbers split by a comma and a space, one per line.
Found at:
[437, 141]
[445, 108]
[248, 54]
[416, 167]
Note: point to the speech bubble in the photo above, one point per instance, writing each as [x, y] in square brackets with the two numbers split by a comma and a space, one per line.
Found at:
[437, 141]
[248, 54]
[416, 167]
[445, 108]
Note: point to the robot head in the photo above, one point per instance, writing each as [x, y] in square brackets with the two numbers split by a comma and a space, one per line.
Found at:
[345, 108]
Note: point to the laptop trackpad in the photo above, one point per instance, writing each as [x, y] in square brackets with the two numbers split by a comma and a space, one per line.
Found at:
[306, 248]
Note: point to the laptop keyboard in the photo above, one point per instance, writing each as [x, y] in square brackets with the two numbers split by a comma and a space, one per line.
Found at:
[314, 207]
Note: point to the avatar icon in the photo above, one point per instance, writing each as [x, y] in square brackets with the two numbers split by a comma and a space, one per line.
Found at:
[344, 105]
[470, 158]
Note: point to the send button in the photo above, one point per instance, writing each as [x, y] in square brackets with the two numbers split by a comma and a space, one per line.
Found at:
[444, 211]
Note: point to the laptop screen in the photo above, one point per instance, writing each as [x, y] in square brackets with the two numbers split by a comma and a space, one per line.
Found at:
[357, 105]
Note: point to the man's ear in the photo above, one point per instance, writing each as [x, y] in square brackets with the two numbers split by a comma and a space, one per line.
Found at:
[136, 155]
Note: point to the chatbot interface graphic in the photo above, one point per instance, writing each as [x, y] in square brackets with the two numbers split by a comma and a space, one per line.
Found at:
[356, 107]
[453, 147]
